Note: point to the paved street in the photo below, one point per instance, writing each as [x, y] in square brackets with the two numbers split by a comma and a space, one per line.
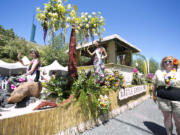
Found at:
[144, 119]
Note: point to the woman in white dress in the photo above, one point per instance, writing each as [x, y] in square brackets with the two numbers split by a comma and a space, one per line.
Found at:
[100, 54]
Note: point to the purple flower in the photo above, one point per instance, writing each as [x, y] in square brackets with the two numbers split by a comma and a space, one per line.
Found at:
[102, 66]
[101, 82]
[102, 75]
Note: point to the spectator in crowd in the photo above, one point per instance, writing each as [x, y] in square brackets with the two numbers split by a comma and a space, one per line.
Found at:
[167, 92]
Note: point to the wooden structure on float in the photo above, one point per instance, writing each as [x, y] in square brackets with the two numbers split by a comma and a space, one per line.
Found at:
[119, 57]
[119, 50]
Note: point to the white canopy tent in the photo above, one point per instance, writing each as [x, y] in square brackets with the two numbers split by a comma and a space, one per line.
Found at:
[11, 68]
[55, 66]
[46, 71]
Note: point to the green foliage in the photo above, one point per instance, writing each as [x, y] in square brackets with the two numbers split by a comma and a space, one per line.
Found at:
[140, 66]
[10, 45]
[57, 86]
[6, 35]
[153, 65]
[83, 60]
[86, 83]
[137, 80]
[56, 50]
[149, 78]
[87, 90]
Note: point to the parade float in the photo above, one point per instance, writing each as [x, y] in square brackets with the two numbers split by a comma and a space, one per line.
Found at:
[89, 102]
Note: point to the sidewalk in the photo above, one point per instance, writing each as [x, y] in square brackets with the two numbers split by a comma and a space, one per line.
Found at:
[145, 119]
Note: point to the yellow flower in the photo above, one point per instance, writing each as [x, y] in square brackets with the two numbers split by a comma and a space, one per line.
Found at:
[55, 15]
[38, 9]
[72, 13]
[174, 70]
[69, 6]
[77, 31]
[50, 14]
[68, 19]
[87, 26]
[82, 13]
[89, 16]
[67, 26]
[116, 84]
[165, 74]
[103, 29]
[93, 13]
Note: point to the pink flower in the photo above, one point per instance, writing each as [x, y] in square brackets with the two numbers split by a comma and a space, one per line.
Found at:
[13, 86]
[135, 70]
[21, 80]
[97, 70]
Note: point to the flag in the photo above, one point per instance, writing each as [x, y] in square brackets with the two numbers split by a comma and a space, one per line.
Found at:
[33, 32]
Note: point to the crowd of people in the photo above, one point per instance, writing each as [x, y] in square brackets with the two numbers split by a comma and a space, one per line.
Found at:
[3, 81]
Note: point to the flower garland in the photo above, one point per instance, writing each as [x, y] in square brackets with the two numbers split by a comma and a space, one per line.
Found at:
[170, 77]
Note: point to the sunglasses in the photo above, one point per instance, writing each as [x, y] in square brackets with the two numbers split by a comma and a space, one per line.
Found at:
[168, 61]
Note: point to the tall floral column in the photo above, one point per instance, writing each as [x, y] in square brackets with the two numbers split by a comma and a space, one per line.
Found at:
[72, 65]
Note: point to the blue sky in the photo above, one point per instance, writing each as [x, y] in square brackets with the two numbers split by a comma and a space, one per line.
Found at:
[151, 25]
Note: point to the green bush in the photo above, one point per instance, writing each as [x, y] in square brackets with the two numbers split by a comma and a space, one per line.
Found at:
[137, 80]
[58, 87]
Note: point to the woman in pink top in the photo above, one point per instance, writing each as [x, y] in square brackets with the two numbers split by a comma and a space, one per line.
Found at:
[32, 74]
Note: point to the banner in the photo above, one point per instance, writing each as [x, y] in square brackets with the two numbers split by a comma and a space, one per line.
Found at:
[132, 91]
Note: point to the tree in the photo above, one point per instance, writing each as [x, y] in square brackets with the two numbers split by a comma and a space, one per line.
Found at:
[140, 66]
[141, 60]
[49, 54]
[153, 65]
[58, 16]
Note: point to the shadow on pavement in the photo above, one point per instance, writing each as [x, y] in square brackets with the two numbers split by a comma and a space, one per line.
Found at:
[155, 128]
[132, 125]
